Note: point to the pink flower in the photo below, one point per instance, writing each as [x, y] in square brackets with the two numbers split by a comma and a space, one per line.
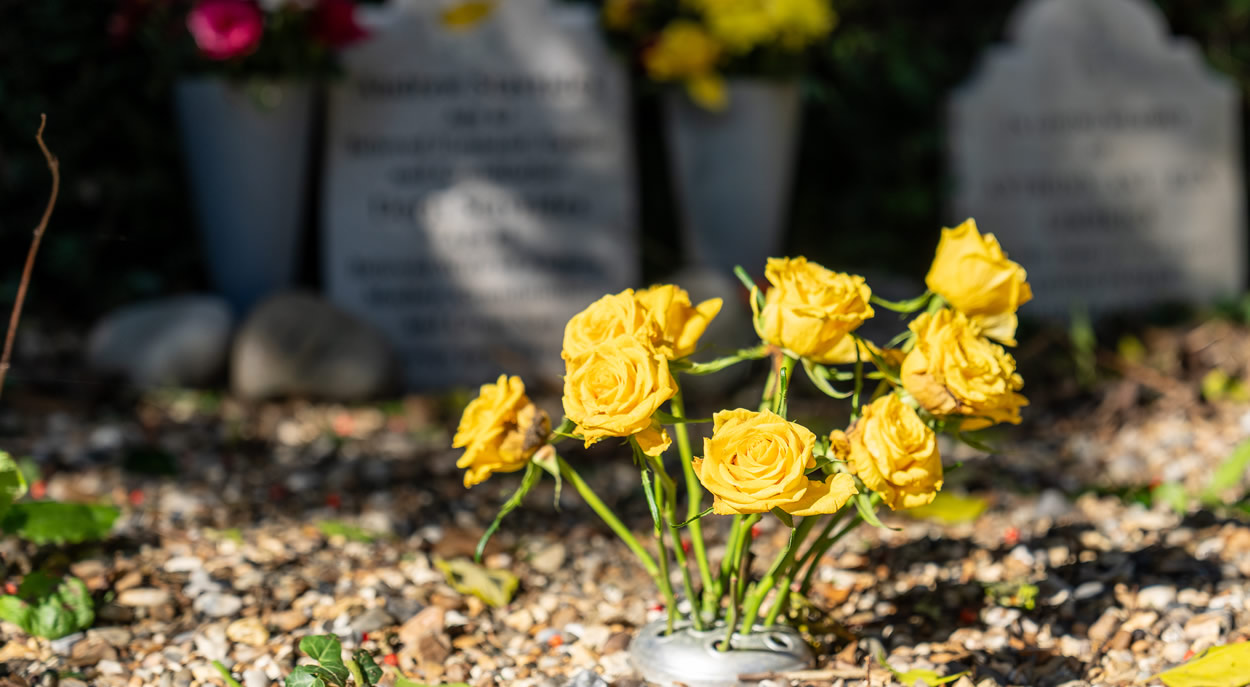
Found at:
[334, 23]
[225, 28]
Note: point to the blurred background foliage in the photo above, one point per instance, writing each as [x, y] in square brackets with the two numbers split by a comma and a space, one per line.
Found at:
[869, 185]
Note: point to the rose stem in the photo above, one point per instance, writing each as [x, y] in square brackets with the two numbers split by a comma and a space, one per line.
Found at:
[669, 496]
[742, 557]
[821, 546]
[694, 495]
[727, 561]
[609, 518]
[783, 561]
[666, 584]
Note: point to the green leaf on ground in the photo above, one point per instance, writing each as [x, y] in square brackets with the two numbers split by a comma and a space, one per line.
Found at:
[912, 678]
[52, 522]
[1173, 494]
[12, 483]
[1228, 474]
[950, 508]
[47, 607]
[1220, 666]
[338, 528]
[328, 652]
[495, 587]
[225, 675]
[303, 676]
[372, 671]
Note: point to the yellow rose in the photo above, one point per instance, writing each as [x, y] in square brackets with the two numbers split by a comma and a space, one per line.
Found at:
[605, 319]
[895, 453]
[810, 309]
[973, 274]
[500, 430]
[757, 461]
[678, 324]
[954, 370]
[618, 14]
[682, 50]
[612, 390]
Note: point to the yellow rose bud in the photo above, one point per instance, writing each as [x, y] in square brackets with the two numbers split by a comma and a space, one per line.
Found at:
[612, 390]
[678, 324]
[954, 370]
[500, 430]
[895, 454]
[810, 310]
[973, 274]
[757, 461]
[607, 318]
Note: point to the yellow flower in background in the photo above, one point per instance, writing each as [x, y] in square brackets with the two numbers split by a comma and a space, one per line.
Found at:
[973, 274]
[500, 430]
[605, 319]
[757, 461]
[895, 453]
[801, 23]
[810, 309]
[954, 370]
[708, 91]
[613, 389]
[683, 50]
[744, 25]
[466, 15]
[678, 323]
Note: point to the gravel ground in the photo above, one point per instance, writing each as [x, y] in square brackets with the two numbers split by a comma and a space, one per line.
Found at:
[228, 558]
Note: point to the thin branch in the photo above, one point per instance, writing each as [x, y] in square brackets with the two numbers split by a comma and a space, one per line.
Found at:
[54, 166]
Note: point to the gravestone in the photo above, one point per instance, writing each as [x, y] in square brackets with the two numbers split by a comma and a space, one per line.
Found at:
[1106, 158]
[479, 188]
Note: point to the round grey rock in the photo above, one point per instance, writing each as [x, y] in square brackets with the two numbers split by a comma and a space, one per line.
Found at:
[176, 341]
[296, 344]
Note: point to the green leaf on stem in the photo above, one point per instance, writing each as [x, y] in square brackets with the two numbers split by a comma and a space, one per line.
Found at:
[784, 517]
[648, 490]
[868, 511]
[53, 522]
[783, 389]
[700, 515]
[711, 366]
[532, 475]
[907, 306]
[969, 438]
[818, 374]
[547, 459]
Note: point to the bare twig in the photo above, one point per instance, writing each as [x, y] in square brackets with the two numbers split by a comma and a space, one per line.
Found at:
[54, 166]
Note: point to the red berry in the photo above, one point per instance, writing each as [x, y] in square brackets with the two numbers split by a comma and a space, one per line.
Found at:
[333, 500]
[685, 545]
[10, 588]
[38, 489]
[657, 607]
[555, 641]
[390, 660]
[136, 497]
[1188, 655]
[755, 531]
[364, 636]
[1011, 536]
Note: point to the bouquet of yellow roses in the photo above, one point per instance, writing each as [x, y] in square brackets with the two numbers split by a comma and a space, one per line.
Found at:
[697, 42]
[625, 354]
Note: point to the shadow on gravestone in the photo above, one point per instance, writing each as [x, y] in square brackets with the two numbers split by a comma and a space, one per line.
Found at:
[479, 189]
[1105, 157]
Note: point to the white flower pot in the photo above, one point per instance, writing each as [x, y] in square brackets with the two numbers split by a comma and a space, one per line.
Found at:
[247, 148]
[732, 171]
[692, 658]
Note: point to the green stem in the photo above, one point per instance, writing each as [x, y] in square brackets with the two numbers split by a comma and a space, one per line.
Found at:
[783, 563]
[783, 594]
[694, 495]
[666, 585]
[742, 546]
[821, 547]
[821, 537]
[669, 495]
[609, 518]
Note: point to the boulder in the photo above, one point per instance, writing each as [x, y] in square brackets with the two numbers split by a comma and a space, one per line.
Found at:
[175, 341]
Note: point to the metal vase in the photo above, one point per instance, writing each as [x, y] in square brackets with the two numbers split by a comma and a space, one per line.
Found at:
[247, 148]
[732, 172]
[692, 658]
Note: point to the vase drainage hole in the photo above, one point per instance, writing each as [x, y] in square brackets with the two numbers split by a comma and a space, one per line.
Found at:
[778, 642]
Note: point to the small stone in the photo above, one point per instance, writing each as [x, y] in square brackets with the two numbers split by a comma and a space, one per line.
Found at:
[1088, 590]
[296, 344]
[1106, 624]
[218, 605]
[550, 559]
[1157, 597]
[114, 636]
[287, 621]
[617, 642]
[255, 678]
[372, 620]
[64, 645]
[183, 564]
[109, 667]
[143, 597]
[176, 341]
[587, 678]
[1207, 626]
[1174, 652]
[249, 631]
[520, 620]
[91, 652]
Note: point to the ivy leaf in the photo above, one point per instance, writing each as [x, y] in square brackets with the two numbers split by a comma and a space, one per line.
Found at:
[52, 522]
[303, 676]
[328, 652]
[1220, 666]
[47, 607]
[372, 671]
[495, 587]
[12, 483]
[950, 508]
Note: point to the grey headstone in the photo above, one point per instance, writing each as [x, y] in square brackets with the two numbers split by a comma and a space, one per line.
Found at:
[479, 189]
[1106, 158]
